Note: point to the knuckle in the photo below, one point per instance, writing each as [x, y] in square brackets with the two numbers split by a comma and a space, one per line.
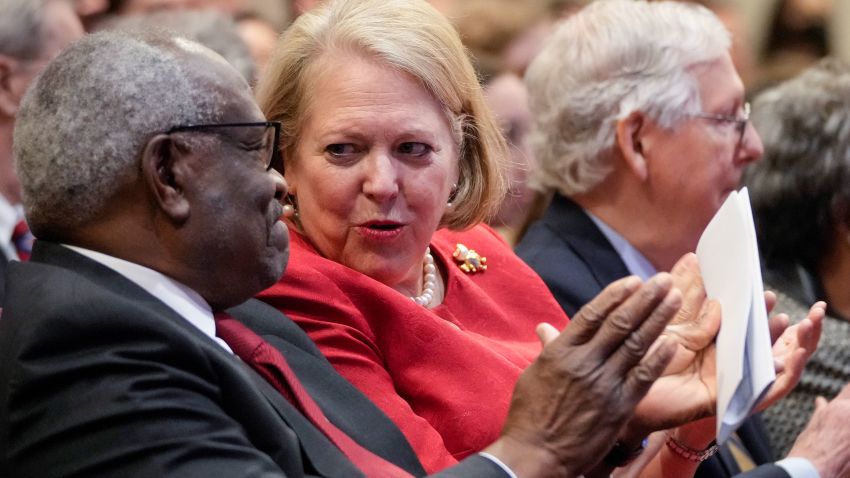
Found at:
[621, 321]
[644, 375]
[590, 314]
[634, 347]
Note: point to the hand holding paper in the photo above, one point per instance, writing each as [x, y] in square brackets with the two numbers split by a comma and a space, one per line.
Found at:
[729, 261]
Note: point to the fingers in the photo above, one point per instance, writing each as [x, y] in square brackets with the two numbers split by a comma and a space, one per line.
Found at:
[769, 301]
[685, 272]
[546, 333]
[820, 402]
[777, 325]
[687, 278]
[641, 378]
[632, 327]
[635, 346]
[587, 321]
[816, 315]
[808, 336]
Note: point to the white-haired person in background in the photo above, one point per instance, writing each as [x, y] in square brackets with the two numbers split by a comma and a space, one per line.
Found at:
[641, 130]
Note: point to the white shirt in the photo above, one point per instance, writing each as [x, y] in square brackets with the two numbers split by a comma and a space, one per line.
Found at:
[183, 300]
[638, 265]
[9, 217]
[635, 262]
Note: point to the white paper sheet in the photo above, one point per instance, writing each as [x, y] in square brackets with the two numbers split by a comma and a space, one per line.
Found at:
[729, 261]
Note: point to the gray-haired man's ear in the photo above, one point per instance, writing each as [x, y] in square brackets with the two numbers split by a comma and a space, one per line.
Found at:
[164, 173]
[629, 137]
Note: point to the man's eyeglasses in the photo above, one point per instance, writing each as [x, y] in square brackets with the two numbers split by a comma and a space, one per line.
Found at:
[740, 122]
[271, 140]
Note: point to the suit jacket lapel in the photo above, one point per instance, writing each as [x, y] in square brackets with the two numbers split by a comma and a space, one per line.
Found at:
[574, 226]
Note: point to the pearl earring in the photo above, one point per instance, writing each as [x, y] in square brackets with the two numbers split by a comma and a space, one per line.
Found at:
[452, 196]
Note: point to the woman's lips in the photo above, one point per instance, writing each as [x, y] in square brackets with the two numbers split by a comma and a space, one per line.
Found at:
[381, 230]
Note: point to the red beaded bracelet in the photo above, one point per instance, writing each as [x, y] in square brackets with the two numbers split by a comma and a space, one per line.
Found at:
[689, 453]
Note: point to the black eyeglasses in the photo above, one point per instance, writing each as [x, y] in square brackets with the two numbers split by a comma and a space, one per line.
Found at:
[273, 158]
[740, 122]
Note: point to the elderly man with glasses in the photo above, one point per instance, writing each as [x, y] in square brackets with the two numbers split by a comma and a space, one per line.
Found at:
[641, 132]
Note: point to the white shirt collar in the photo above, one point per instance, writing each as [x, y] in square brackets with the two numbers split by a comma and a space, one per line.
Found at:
[635, 262]
[9, 217]
[185, 301]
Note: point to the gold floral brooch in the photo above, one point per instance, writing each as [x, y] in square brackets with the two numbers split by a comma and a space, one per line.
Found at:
[468, 260]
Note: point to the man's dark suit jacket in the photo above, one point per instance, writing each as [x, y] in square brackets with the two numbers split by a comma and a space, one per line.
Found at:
[4, 262]
[576, 262]
[100, 378]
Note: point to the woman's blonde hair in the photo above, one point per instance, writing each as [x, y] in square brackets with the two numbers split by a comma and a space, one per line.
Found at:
[412, 37]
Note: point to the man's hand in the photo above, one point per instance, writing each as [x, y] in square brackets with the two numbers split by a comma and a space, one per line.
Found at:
[571, 404]
[792, 349]
[687, 390]
[825, 441]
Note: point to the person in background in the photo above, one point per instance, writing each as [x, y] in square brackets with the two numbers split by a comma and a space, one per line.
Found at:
[800, 194]
[507, 97]
[260, 36]
[32, 32]
[641, 131]
[211, 28]
[393, 161]
[121, 339]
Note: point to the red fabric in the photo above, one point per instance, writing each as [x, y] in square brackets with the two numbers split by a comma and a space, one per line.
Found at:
[443, 375]
[22, 239]
[272, 366]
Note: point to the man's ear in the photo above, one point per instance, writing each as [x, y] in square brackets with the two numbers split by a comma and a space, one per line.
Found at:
[165, 175]
[630, 131]
[9, 101]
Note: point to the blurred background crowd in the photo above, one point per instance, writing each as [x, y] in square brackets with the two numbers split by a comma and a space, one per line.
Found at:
[773, 40]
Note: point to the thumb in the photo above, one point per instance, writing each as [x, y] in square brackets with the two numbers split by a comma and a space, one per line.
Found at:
[546, 333]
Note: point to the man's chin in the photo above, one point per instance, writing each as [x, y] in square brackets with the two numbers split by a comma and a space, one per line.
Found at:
[274, 267]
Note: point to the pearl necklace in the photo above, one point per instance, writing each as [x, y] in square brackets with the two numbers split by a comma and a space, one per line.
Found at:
[429, 280]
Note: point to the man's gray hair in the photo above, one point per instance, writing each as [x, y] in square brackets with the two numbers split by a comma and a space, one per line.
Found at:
[22, 28]
[82, 125]
[610, 59]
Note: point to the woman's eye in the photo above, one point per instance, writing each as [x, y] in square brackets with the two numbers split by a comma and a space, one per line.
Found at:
[414, 149]
[340, 149]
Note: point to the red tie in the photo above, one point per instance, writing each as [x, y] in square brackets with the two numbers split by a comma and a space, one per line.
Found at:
[272, 366]
[22, 240]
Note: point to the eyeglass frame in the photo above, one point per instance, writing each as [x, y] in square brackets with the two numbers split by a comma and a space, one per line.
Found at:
[741, 123]
[275, 158]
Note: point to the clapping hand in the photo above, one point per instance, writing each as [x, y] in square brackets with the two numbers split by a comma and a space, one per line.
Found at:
[571, 404]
